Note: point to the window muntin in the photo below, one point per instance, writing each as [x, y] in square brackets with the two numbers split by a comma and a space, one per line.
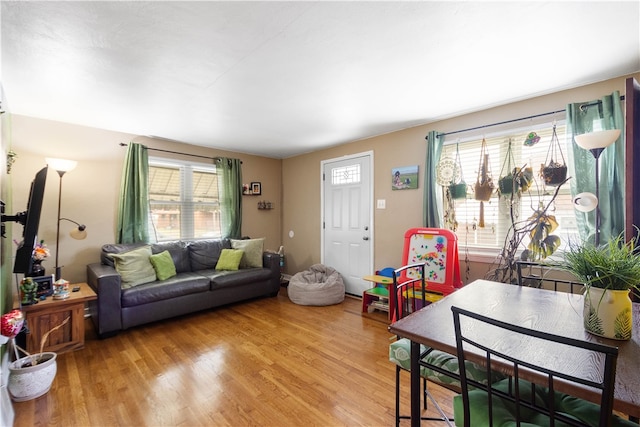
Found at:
[184, 200]
[346, 175]
[497, 216]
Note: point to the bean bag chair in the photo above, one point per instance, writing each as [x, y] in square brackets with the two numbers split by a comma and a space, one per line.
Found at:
[318, 285]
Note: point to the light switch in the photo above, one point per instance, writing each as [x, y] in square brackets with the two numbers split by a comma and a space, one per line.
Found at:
[382, 204]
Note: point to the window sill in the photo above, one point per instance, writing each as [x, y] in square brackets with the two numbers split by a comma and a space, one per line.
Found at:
[489, 255]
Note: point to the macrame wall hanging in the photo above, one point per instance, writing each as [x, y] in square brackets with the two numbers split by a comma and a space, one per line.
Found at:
[484, 185]
[448, 172]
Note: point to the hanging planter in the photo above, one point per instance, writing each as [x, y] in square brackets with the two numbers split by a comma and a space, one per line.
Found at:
[458, 189]
[508, 184]
[484, 185]
[552, 171]
[524, 177]
[484, 182]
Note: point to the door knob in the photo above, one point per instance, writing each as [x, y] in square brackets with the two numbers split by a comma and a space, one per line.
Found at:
[365, 238]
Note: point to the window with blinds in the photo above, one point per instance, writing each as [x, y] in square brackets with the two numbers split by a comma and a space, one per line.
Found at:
[497, 215]
[184, 200]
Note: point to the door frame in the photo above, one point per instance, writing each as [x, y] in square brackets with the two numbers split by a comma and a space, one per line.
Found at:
[323, 163]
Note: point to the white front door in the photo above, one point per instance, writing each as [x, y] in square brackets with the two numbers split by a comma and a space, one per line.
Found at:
[347, 214]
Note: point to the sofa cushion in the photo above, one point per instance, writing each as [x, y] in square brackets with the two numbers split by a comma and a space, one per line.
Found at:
[116, 248]
[179, 254]
[163, 265]
[229, 259]
[134, 267]
[182, 284]
[224, 279]
[253, 249]
[204, 254]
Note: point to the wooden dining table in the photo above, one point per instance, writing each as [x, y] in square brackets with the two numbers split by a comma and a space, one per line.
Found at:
[545, 310]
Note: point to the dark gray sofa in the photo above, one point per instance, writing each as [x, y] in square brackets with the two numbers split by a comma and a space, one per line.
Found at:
[197, 285]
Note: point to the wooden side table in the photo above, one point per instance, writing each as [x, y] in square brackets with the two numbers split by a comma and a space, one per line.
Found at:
[48, 314]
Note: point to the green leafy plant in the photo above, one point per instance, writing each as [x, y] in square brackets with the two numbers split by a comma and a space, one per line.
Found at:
[614, 266]
[539, 227]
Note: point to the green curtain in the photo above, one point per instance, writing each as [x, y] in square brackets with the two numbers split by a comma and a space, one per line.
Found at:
[432, 199]
[230, 172]
[133, 208]
[581, 166]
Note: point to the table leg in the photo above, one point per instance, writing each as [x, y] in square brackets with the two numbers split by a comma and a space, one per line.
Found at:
[415, 384]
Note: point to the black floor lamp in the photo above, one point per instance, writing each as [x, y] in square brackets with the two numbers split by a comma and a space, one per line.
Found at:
[596, 142]
[80, 232]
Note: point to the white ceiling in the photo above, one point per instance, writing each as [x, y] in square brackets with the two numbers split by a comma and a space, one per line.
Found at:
[283, 78]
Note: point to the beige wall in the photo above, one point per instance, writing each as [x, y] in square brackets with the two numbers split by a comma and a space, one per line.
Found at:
[90, 192]
[301, 177]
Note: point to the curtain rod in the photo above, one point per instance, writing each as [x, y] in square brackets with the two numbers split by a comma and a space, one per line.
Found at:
[515, 120]
[122, 144]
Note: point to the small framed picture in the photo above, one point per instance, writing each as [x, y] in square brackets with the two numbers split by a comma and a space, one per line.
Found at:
[45, 285]
[404, 178]
[256, 188]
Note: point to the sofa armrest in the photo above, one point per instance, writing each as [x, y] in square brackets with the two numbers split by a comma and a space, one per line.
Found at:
[106, 310]
[271, 261]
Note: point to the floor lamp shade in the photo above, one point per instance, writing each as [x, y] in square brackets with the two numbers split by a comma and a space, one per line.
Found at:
[598, 139]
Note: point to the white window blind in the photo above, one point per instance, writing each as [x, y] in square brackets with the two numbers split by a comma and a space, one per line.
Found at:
[497, 216]
[184, 200]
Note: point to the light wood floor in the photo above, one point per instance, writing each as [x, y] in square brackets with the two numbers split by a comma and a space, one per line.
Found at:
[266, 362]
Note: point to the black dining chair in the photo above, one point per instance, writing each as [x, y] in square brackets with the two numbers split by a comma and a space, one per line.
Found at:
[514, 350]
[409, 294]
[540, 275]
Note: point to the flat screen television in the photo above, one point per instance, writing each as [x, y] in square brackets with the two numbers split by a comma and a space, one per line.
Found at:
[30, 219]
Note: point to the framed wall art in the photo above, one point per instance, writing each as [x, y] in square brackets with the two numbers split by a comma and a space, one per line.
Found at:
[256, 188]
[404, 178]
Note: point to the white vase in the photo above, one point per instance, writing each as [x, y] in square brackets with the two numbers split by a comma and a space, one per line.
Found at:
[26, 383]
[607, 313]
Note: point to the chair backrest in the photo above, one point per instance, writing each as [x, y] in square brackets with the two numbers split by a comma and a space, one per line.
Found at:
[516, 350]
[408, 294]
[438, 249]
[537, 275]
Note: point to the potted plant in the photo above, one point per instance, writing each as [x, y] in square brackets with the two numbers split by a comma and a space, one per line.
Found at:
[609, 272]
[538, 229]
[30, 376]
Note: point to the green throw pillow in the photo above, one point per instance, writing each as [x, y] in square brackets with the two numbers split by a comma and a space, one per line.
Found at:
[229, 259]
[134, 267]
[252, 251]
[163, 265]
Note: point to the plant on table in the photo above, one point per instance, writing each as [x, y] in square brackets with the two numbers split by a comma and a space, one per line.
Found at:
[609, 272]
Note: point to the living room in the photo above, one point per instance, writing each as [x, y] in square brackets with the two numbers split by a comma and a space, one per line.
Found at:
[291, 184]
[90, 192]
